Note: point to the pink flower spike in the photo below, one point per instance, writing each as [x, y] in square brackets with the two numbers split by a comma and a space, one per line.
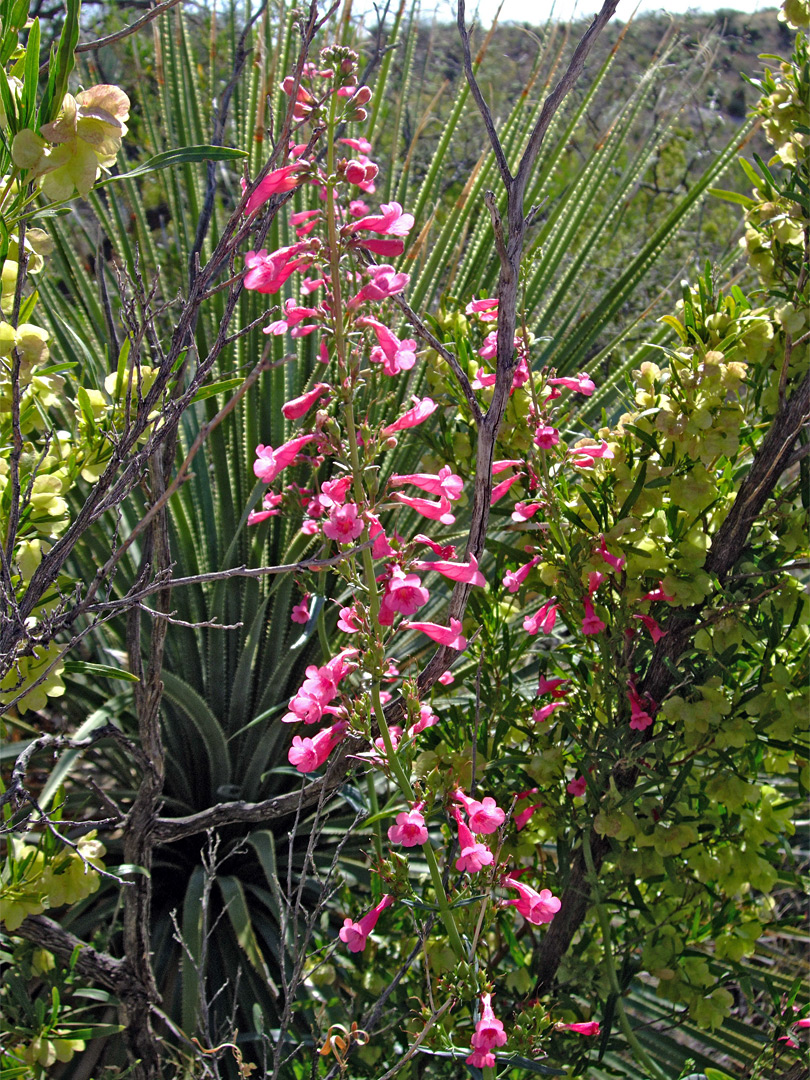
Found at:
[436, 511]
[543, 620]
[309, 754]
[344, 524]
[588, 1027]
[410, 829]
[501, 489]
[300, 613]
[591, 624]
[355, 934]
[658, 594]
[269, 462]
[450, 636]
[485, 816]
[474, 855]
[275, 183]
[514, 579]
[544, 712]
[456, 571]
[656, 633]
[421, 410]
[535, 907]
[445, 482]
[489, 1031]
[298, 407]
[616, 561]
[552, 686]
[583, 384]
[577, 787]
[391, 221]
[524, 511]
[546, 436]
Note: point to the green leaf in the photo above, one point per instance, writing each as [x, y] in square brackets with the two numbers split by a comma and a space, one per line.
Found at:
[28, 98]
[181, 156]
[217, 388]
[84, 667]
[731, 196]
[63, 60]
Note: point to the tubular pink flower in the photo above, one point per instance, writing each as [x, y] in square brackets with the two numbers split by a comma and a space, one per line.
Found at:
[269, 462]
[485, 815]
[442, 635]
[427, 718]
[361, 172]
[343, 525]
[658, 594]
[483, 1059]
[543, 620]
[333, 492]
[584, 456]
[488, 351]
[595, 579]
[577, 787]
[388, 247]
[447, 678]
[421, 410]
[616, 561]
[546, 436]
[502, 466]
[588, 1027]
[355, 934]
[444, 551]
[512, 580]
[489, 1031]
[501, 489]
[275, 183]
[309, 754]
[552, 686]
[640, 719]
[535, 907]
[391, 221]
[486, 308]
[591, 624]
[474, 855]
[385, 281]
[456, 571]
[410, 829]
[349, 620]
[483, 379]
[300, 613]
[445, 482]
[270, 507]
[393, 354]
[292, 317]
[524, 511]
[298, 407]
[545, 711]
[583, 384]
[436, 511]
[656, 633]
[267, 273]
[405, 594]
[381, 548]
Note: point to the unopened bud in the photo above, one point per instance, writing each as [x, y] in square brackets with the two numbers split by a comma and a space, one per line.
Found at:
[363, 96]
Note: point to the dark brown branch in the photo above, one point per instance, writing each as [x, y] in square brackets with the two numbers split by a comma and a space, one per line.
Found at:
[480, 100]
[96, 966]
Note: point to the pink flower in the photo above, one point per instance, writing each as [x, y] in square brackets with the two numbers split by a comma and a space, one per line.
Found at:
[267, 273]
[488, 351]
[507, 463]
[546, 436]
[542, 714]
[640, 719]
[524, 511]
[658, 594]
[656, 633]
[300, 613]
[333, 492]
[420, 411]
[393, 354]
[349, 620]
[514, 579]
[535, 907]
[385, 281]
[501, 489]
[589, 1027]
[483, 1059]
[543, 620]
[467, 572]
[269, 462]
[616, 561]
[447, 678]
[381, 548]
[584, 456]
[361, 172]
[583, 384]
[474, 855]
[483, 378]
[552, 686]
[343, 525]
[577, 787]
[355, 934]
[410, 829]
[436, 511]
[309, 754]
[405, 594]
[486, 309]
[275, 183]
[292, 318]
[485, 816]
[595, 579]
[444, 551]
[591, 624]
[357, 208]
[427, 718]
[445, 482]
[304, 222]
[522, 819]
[489, 1031]
[361, 145]
[450, 636]
[296, 408]
[391, 221]
[270, 507]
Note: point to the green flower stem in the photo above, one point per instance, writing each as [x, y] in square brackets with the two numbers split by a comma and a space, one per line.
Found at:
[375, 810]
[368, 561]
[322, 635]
[604, 922]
